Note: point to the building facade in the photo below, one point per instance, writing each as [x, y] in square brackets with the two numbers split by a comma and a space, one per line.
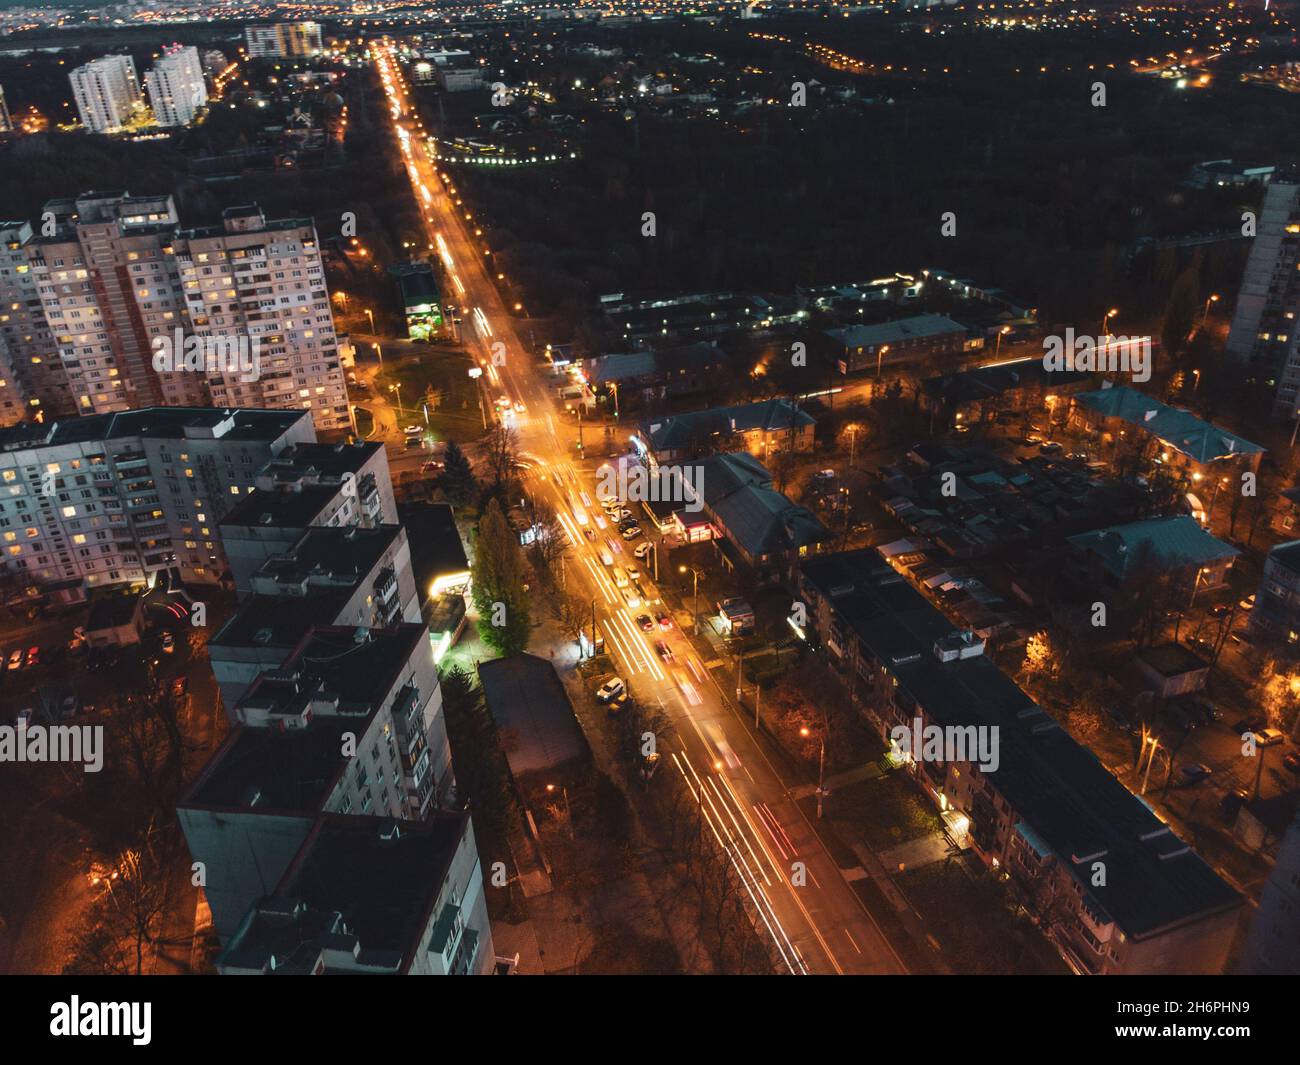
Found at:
[1264, 331]
[263, 280]
[110, 499]
[176, 87]
[106, 91]
[279, 39]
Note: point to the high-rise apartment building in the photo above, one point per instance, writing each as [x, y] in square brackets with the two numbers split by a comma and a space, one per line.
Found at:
[283, 39]
[263, 280]
[109, 290]
[112, 498]
[6, 120]
[106, 91]
[31, 379]
[176, 87]
[1264, 332]
[140, 312]
[350, 722]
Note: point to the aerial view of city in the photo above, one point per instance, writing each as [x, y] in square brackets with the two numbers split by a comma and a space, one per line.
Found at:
[651, 488]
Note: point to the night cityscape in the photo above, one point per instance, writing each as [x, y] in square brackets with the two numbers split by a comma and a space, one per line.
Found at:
[651, 488]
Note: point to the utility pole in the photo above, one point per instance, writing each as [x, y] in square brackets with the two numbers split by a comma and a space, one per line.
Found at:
[758, 695]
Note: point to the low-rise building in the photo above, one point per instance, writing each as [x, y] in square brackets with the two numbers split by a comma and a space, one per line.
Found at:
[1194, 449]
[1177, 548]
[763, 429]
[859, 348]
[1118, 891]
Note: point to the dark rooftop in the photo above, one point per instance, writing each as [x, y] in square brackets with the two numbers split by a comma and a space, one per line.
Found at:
[533, 715]
[169, 423]
[363, 885]
[436, 547]
[1065, 795]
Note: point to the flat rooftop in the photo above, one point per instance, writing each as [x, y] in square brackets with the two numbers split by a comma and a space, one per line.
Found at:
[167, 423]
[362, 884]
[340, 552]
[436, 546]
[538, 727]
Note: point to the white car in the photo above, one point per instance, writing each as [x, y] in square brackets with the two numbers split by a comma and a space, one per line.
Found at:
[606, 557]
[519, 406]
[611, 688]
[643, 550]
[412, 430]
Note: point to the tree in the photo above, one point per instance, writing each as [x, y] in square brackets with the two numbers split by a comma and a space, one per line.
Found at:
[500, 594]
[124, 918]
[457, 481]
[501, 452]
[1180, 311]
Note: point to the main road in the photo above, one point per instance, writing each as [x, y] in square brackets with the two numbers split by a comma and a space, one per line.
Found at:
[815, 920]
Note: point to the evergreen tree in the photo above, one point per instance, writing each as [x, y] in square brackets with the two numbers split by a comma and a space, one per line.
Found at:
[457, 479]
[499, 594]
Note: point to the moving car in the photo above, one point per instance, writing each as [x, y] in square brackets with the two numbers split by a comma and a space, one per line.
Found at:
[33, 657]
[665, 620]
[646, 622]
[519, 406]
[606, 557]
[612, 687]
[665, 652]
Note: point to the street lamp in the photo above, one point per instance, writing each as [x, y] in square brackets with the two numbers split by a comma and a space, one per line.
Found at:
[398, 389]
[1214, 298]
[880, 357]
[853, 440]
[372, 319]
[821, 766]
[695, 592]
[380, 352]
[568, 811]
[1001, 333]
[1105, 327]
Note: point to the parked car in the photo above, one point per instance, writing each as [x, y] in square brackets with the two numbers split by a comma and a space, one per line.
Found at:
[25, 717]
[1250, 723]
[16, 658]
[68, 707]
[612, 687]
[1268, 737]
[1196, 772]
[632, 532]
[180, 686]
[1292, 761]
[33, 657]
[1233, 801]
[168, 643]
[1050, 447]
[642, 551]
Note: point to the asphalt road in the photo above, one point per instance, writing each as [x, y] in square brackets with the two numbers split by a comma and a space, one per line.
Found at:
[819, 927]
